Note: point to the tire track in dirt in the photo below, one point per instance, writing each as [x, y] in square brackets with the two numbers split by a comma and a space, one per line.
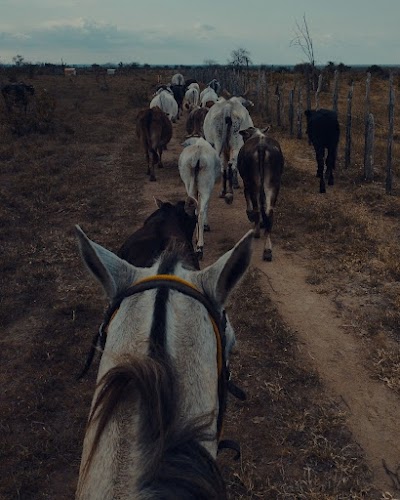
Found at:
[324, 343]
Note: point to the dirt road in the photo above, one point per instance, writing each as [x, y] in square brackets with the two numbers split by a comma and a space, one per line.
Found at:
[325, 339]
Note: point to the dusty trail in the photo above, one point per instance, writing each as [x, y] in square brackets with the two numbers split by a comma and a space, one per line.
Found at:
[324, 341]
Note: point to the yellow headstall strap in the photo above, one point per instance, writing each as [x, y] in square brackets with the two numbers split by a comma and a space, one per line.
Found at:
[176, 279]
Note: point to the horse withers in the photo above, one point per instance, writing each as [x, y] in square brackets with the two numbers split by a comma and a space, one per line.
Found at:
[157, 410]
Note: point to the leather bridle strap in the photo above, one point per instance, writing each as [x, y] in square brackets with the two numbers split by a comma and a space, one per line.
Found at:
[168, 281]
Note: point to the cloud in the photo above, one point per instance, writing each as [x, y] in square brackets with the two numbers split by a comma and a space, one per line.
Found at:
[95, 39]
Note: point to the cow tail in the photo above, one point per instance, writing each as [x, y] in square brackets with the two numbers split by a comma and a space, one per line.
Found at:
[150, 146]
[261, 171]
[194, 180]
[226, 130]
[228, 122]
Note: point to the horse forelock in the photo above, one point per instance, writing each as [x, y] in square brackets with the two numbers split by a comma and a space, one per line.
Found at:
[177, 465]
[143, 383]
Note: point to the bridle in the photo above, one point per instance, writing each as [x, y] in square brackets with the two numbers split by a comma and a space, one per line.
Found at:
[218, 322]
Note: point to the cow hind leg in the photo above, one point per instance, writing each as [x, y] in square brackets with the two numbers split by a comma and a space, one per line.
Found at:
[160, 163]
[267, 223]
[154, 161]
[148, 162]
[229, 192]
[330, 166]
[319, 154]
[223, 183]
[235, 180]
[201, 217]
[249, 205]
[206, 226]
[255, 215]
[267, 212]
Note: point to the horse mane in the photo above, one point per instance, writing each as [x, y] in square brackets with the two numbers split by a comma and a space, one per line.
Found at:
[178, 251]
[178, 466]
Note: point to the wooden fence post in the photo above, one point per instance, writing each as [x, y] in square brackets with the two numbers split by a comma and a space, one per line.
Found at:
[318, 92]
[299, 113]
[389, 173]
[335, 91]
[369, 149]
[266, 96]
[347, 154]
[367, 110]
[308, 96]
[291, 111]
[259, 90]
[278, 104]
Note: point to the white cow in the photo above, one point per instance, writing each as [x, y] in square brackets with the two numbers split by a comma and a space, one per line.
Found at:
[178, 79]
[208, 97]
[164, 99]
[69, 71]
[222, 125]
[199, 168]
[194, 86]
[191, 99]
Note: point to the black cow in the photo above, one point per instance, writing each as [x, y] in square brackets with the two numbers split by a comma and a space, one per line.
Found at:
[179, 94]
[17, 94]
[323, 133]
[170, 224]
[189, 82]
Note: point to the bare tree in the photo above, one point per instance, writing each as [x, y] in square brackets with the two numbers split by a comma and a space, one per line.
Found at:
[239, 61]
[240, 58]
[304, 41]
[18, 60]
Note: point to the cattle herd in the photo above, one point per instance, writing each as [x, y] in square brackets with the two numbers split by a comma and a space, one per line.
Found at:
[155, 424]
[222, 141]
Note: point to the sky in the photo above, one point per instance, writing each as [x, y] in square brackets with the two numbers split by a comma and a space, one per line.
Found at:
[185, 32]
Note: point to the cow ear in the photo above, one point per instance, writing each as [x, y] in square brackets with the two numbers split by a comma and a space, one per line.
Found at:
[247, 133]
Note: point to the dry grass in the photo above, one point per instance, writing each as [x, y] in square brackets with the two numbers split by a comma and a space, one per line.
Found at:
[85, 168]
[287, 427]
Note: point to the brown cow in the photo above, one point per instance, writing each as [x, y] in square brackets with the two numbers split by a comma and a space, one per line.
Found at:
[154, 130]
[194, 123]
[260, 164]
[168, 226]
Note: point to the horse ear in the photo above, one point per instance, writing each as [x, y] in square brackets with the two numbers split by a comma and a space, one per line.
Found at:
[113, 273]
[219, 279]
